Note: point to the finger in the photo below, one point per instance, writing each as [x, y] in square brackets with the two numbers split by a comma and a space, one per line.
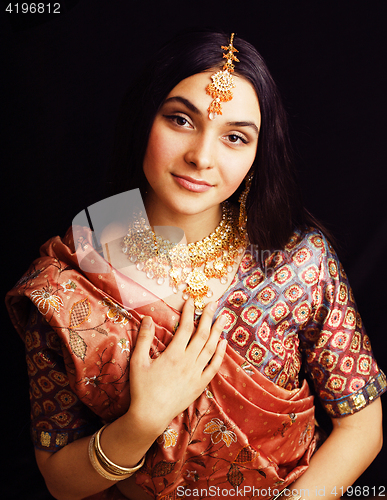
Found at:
[144, 338]
[186, 326]
[210, 346]
[216, 361]
[203, 330]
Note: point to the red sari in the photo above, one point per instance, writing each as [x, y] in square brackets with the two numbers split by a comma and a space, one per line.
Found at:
[244, 433]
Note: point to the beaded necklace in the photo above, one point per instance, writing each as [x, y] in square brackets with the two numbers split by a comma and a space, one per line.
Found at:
[194, 264]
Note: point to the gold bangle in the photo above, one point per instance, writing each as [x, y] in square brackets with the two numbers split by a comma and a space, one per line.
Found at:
[106, 467]
[281, 495]
[97, 466]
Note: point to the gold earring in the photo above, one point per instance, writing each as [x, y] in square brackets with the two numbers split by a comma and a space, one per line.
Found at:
[242, 201]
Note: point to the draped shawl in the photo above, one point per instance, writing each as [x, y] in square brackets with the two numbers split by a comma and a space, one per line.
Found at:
[243, 432]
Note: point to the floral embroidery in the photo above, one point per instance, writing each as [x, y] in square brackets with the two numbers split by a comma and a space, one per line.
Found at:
[241, 336]
[65, 398]
[356, 384]
[251, 315]
[293, 293]
[264, 332]
[272, 369]
[350, 318]
[336, 383]
[124, 344]
[332, 266]
[302, 256]
[116, 313]
[283, 275]
[347, 364]
[266, 295]
[238, 298]
[335, 317]
[252, 281]
[328, 359]
[91, 380]
[45, 300]
[279, 311]
[255, 354]
[306, 434]
[247, 368]
[301, 312]
[192, 474]
[340, 340]
[69, 286]
[219, 432]
[364, 364]
[310, 275]
[168, 438]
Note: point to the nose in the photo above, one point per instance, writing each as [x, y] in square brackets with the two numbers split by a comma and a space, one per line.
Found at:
[201, 152]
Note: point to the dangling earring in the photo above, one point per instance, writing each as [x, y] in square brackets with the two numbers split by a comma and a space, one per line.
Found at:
[242, 201]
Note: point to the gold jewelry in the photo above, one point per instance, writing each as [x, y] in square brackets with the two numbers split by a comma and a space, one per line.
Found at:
[279, 494]
[222, 81]
[242, 201]
[105, 467]
[289, 496]
[160, 258]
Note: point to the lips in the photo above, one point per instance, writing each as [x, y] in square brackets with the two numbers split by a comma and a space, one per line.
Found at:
[191, 184]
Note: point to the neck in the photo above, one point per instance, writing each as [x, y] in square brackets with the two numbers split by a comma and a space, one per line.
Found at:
[195, 226]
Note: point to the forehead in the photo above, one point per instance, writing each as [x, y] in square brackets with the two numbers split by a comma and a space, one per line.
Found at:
[244, 102]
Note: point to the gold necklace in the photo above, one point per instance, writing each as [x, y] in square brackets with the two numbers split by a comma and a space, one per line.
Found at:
[215, 254]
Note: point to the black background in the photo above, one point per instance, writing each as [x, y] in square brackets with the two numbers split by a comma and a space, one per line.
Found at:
[65, 75]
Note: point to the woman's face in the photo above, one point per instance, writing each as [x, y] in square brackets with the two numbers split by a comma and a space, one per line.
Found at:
[192, 163]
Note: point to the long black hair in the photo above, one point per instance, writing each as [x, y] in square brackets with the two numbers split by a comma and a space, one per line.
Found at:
[274, 204]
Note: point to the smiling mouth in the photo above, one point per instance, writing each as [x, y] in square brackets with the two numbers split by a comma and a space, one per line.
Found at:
[191, 184]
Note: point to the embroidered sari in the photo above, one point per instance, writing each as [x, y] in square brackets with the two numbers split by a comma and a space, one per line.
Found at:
[244, 431]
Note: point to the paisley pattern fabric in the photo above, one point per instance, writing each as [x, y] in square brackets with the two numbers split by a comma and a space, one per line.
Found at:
[254, 423]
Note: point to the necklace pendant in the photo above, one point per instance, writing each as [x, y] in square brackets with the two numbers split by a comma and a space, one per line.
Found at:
[196, 280]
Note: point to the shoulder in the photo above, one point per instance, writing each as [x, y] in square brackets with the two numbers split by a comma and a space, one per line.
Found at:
[309, 243]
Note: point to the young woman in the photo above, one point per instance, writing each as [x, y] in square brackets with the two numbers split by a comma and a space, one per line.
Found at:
[126, 324]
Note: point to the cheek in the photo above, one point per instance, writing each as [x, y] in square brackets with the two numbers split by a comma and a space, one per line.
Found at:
[236, 171]
[159, 153]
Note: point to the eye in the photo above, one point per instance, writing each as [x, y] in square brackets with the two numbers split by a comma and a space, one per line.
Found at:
[236, 139]
[180, 121]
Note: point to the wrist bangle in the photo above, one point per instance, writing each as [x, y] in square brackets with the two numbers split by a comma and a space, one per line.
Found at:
[105, 467]
[282, 496]
[279, 495]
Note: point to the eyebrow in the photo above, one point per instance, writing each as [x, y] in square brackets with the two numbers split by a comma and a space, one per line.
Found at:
[186, 103]
[197, 111]
[244, 124]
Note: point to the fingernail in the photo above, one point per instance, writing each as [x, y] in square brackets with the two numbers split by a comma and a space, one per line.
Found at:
[146, 321]
[223, 344]
[213, 306]
[222, 320]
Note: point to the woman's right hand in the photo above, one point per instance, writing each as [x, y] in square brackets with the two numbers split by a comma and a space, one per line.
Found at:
[163, 387]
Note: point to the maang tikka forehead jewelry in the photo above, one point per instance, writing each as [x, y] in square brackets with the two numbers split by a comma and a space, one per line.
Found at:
[222, 81]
